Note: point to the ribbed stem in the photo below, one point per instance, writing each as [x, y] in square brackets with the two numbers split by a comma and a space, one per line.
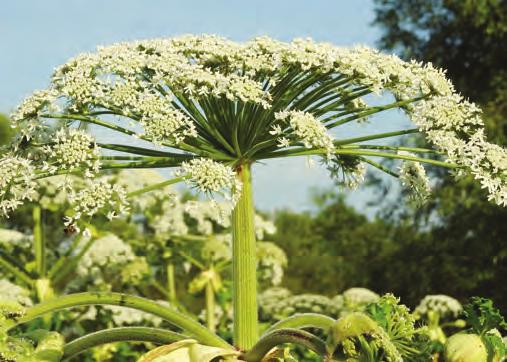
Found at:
[244, 265]
[210, 306]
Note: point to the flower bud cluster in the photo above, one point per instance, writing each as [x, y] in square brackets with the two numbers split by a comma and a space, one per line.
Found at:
[99, 196]
[212, 177]
[443, 305]
[17, 183]
[414, 179]
[308, 129]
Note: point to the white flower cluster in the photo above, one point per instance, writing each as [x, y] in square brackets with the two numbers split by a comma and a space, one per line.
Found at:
[105, 252]
[218, 316]
[263, 227]
[308, 129]
[25, 117]
[206, 213]
[128, 316]
[212, 177]
[53, 192]
[13, 292]
[443, 305]
[169, 220]
[455, 127]
[133, 180]
[359, 296]
[414, 179]
[278, 303]
[170, 216]
[13, 238]
[217, 248]
[16, 183]
[354, 300]
[73, 148]
[354, 176]
[99, 195]
[156, 82]
[165, 127]
[124, 316]
[271, 261]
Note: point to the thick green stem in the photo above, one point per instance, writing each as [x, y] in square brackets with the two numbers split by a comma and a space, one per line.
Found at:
[122, 334]
[244, 272]
[210, 306]
[38, 242]
[174, 317]
[171, 284]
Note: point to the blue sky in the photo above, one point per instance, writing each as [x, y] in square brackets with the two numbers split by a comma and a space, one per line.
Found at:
[36, 36]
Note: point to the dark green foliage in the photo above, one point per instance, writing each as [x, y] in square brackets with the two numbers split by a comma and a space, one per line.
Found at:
[482, 316]
[327, 250]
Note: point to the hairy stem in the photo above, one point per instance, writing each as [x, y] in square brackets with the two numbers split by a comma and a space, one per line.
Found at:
[244, 272]
[122, 334]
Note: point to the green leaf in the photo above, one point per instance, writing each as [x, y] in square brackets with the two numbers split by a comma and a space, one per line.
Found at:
[482, 316]
[495, 346]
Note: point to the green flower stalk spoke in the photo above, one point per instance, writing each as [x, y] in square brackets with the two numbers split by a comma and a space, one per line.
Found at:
[121, 334]
[392, 148]
[156, 186]
[373, 110]
[174, 317]
[303, 152]
[282, 336]
[376, 136]
[244, 265]
[380, 167]
[303, 320]
[142, 151]
[95, 121]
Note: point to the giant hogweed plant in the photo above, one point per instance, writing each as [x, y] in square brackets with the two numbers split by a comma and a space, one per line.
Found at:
[211, 109]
